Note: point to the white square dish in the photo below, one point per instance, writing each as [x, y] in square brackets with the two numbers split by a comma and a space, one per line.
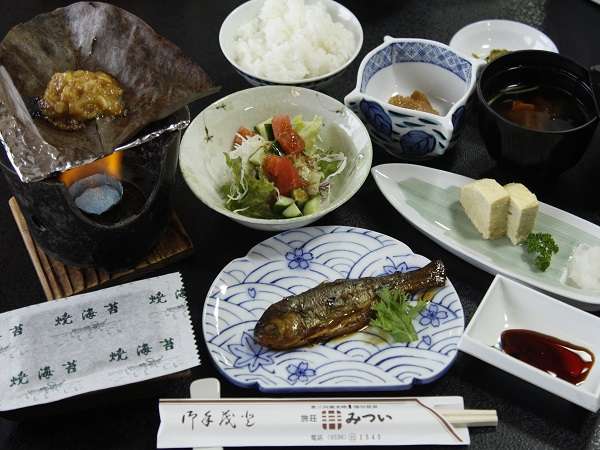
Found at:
[508, 305]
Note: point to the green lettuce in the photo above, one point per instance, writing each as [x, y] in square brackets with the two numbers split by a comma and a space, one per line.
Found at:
[308, 129]
[249, 193]
[328, 167]
[328, 161]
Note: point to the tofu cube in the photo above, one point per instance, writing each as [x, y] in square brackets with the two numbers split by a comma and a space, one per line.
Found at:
[486, 204]
[522, 212]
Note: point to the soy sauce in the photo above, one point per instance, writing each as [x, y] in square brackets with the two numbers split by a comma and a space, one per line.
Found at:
[562, 359]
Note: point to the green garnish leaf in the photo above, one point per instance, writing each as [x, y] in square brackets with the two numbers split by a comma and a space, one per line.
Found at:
[544, 245]
[395, 314]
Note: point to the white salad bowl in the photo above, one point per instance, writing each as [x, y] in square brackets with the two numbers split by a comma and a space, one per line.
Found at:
[400, 66]
[249, 10]
[211, 133]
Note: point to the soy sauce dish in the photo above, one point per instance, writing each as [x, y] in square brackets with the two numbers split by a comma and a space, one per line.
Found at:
[539, 339]
[538, 110]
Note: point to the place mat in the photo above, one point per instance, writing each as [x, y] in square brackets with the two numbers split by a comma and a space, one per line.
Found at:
[59, 280]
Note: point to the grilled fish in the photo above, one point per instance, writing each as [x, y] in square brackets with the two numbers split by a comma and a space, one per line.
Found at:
[335, 308]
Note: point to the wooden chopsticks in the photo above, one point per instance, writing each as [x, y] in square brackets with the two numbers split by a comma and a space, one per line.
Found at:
[470, 417]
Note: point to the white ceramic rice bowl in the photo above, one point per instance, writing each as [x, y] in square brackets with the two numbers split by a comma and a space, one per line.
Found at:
[211, 134]
[250, 9]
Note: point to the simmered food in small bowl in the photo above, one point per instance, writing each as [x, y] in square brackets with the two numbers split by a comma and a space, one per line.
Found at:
[538, 110]
[275, 157]
[411, 94]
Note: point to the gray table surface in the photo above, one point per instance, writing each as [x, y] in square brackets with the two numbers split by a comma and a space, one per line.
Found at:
[529, 417]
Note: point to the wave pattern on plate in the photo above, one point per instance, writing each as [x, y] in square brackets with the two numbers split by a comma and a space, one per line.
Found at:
[297, 260]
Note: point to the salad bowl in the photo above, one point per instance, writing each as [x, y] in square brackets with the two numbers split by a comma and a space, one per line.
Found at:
[209, 137]
[402, 66]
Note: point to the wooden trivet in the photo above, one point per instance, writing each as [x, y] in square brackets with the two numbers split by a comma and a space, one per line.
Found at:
[59, 280]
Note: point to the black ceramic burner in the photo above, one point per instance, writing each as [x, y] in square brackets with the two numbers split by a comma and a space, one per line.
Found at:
[124, 234]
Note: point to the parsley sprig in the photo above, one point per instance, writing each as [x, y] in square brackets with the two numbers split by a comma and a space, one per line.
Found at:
[544, 245]
[395, 314]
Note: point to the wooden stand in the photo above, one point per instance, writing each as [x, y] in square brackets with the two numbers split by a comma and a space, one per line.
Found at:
[59, 280]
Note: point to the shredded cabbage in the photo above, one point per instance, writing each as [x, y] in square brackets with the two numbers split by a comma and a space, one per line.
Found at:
[329, 164]
[308, 130]
[332, 165]
[249, 193]
[242, 152]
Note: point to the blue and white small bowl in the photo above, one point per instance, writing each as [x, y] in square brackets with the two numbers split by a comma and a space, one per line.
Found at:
[400, 66]
[249, 10]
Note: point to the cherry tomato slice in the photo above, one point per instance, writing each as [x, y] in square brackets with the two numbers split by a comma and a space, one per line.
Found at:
[281, 124]
[291, 142]
[281, 171]
[242, 133]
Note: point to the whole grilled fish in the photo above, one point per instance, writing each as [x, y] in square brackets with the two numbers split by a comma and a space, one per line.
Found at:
[335, 308]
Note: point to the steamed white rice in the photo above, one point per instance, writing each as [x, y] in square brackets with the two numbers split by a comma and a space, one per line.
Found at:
[291, 40]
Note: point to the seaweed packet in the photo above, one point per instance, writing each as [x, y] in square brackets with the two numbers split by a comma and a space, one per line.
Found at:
[103, 339]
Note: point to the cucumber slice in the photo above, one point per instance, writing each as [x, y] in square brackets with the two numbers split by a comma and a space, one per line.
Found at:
[312, 206]
[257, 157]
[282, 203]
[269, 132]
[291, 211]
[265, 129]
[274, 149]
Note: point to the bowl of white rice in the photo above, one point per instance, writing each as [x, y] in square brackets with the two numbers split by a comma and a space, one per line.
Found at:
[295, 42]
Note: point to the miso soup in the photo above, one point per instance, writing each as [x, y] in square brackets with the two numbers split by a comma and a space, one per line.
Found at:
[540, 107]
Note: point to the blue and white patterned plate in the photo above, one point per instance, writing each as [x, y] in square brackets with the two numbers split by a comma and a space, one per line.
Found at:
[297, 260]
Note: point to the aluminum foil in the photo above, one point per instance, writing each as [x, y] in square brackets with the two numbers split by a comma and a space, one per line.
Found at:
[157, 78]
[35, 159]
